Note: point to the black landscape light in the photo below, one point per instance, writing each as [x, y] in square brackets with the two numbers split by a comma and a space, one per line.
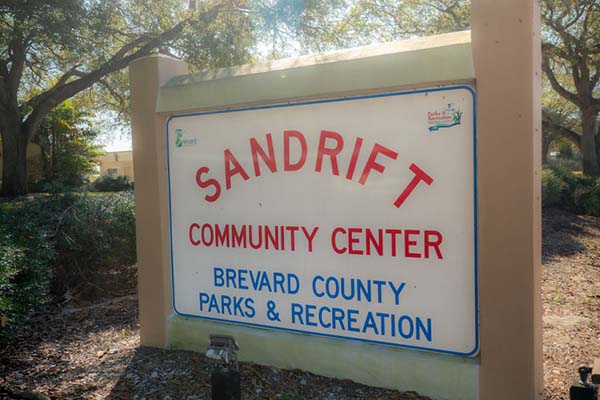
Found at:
[225, 378]
[583, 390]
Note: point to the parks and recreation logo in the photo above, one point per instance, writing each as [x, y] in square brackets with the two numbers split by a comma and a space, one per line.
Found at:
[444, 118]
[181, 141]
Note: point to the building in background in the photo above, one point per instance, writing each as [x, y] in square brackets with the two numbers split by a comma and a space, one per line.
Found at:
[116, 163]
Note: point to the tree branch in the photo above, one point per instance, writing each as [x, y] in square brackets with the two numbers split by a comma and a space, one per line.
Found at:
[554, 82]
[17, 59]
[549, 125]
[63, 90]
[70, 73]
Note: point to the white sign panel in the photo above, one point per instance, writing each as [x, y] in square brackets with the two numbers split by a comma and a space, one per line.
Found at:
[352, 218]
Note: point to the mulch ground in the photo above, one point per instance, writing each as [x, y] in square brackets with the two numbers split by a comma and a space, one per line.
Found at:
[571, 298]
[90, 350]
[93, 352]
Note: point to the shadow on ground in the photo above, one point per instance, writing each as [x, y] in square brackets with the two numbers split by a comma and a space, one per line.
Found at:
[93, 352]
[565, 234]
[69, 353]
[160, 374]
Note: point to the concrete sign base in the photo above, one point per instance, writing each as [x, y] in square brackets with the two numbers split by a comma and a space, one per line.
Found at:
[435, 375]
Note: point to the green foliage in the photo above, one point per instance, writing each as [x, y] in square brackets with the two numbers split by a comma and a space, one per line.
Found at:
[72, 149]
[292, 27]
[96, 235]
[553, 188]
[26, 251]
[110, 183]
[219, 39]
[578, 193]
[571, 63]
[52, 50]
[66, 138]
[587, 198]
[59, 243]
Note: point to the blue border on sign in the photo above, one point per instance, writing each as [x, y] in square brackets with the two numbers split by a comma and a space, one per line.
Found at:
[336, 100]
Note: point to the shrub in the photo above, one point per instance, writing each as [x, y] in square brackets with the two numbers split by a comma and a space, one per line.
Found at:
[109, 183]
[95, 236]
[58, 186]
[59, 243]
[588, 199]
[553, 188]
[26, 251]
[574, 192]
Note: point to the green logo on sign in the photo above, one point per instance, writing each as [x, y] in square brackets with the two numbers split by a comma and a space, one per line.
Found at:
[180, 141]
[456, 116]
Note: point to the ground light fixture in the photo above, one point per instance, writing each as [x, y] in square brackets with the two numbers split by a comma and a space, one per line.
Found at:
[583, 390]
[225, 377]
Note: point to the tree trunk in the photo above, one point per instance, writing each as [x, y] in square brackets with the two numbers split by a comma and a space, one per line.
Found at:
[14, 161]
[591, 165]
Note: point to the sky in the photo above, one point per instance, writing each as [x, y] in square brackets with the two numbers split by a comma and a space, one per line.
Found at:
[115, 134]
[117, 143]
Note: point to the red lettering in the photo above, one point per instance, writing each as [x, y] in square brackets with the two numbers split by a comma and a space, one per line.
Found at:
[259, 151]
[259, 242]
[222, 237]
[207, 183]
[192, 240]
[292, 229]
[334, 243]
[287, 164]
[310, 236]
[354, 158]
[238, 239]
[409, 243]
[204, 229]
[393, 244]
[352, 240]
[270, 237]
[420, 175]
[377, 244]
[229, 171]
[433, 243]
[331, 152]
[372, 161]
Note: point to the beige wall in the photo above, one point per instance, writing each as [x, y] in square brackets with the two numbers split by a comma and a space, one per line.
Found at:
[121, 161]
[506, 52]
[146, 75]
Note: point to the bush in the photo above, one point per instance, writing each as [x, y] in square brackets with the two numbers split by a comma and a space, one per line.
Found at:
[58, 186]
[574, 192]
[97, 235]
[553, 188]
[588, 199]
[109, 183]
[59, 243]
[26, 251]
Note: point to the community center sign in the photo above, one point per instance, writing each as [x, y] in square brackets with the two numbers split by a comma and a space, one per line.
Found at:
[352, 218]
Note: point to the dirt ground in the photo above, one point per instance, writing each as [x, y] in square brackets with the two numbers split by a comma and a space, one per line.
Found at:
[571, 298]
[91, 350]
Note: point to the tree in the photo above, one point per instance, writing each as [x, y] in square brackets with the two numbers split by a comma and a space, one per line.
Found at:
[56, 49]
[571, 63]
[560, 120]
[66, 137]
